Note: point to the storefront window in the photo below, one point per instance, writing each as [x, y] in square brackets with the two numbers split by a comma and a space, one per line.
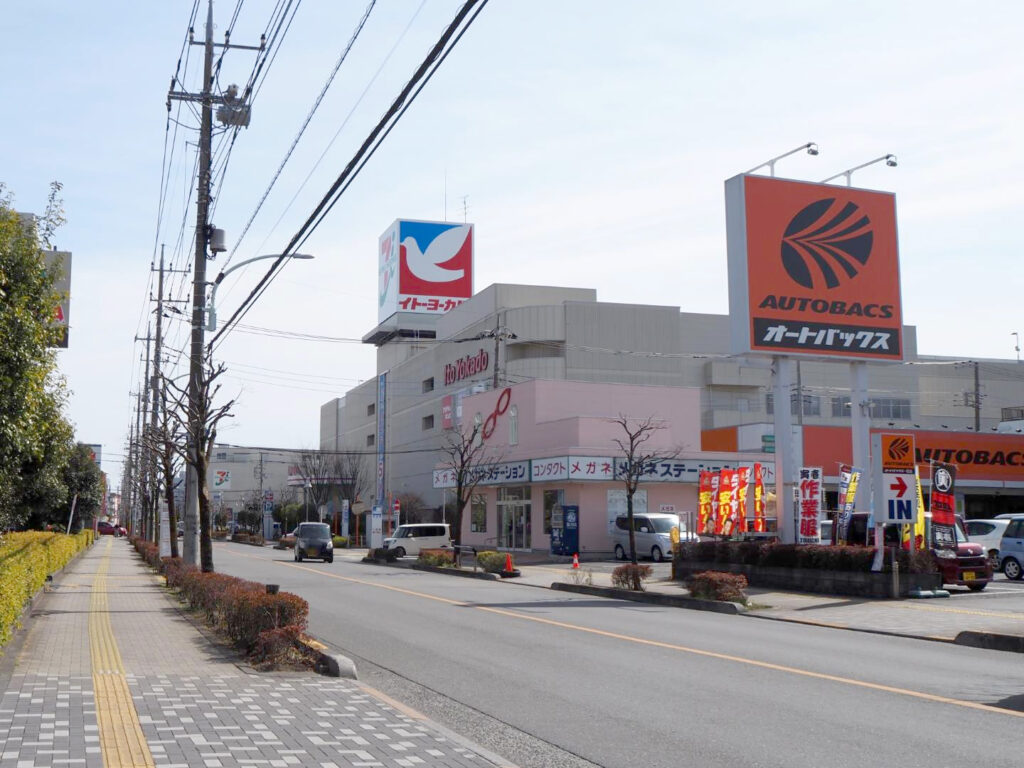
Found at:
[551, 500]
[478, 513]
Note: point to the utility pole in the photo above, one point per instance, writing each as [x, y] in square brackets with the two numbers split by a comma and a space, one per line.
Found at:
[234, 112]
[155, 384]
[500, 334]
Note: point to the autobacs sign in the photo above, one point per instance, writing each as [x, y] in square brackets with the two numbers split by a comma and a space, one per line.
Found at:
[813, 269]
[465, 367]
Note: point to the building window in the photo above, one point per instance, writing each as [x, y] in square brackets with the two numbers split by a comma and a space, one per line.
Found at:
[478, 513]
[811, 404]
[890, 408]
[221, 456]
[840, 407]
[428, 385]
[428, 422]
[552, 499]
[371, 409]
[514, 517]
[513, 426]
[369, 441]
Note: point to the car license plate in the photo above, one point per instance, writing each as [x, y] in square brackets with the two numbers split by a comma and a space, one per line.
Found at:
[969, 576]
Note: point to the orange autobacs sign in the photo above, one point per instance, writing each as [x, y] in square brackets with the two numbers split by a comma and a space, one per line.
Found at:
[813, 269]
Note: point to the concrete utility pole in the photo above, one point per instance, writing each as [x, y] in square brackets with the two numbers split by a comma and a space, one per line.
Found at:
[155, 384]
[234, 112]
[977, 398]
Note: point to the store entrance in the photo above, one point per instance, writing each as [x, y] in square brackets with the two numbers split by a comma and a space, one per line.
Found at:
[514, 518]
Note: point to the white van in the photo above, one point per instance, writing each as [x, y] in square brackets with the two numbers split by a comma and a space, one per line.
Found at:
[652, 534]
[409, 539]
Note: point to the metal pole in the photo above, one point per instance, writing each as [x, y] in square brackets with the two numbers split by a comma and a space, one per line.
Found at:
[196, 389]
[977, 399]
[785, 464]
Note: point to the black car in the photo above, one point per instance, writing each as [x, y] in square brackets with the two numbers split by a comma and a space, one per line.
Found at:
[314, 540]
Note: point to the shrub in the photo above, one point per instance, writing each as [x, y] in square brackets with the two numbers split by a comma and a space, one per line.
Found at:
[340, 541]
[380, 554]
[713, 585]
[439, 558]
[631, 576]
[491, 561]
[26, 559]
[281, 647]
[246, 613]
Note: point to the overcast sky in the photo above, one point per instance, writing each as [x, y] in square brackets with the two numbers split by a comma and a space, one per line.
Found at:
[587, 140]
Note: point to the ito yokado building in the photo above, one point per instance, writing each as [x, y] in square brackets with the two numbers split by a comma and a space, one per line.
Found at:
[570, 364]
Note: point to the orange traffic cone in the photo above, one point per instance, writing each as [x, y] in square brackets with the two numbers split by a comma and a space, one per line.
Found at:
[575, 561]
[508, 563]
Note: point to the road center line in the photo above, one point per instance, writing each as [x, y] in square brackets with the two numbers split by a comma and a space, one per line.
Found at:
[668, 646]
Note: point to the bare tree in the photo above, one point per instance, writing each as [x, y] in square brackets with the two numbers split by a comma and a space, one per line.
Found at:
[348, 467]
[198, 455]
[636, 463]
[163, 440]
[415, 509]
[315, 469]
[470, 460]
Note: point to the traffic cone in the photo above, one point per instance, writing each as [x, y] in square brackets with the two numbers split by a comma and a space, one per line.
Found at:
[575, 561]
[508, 563]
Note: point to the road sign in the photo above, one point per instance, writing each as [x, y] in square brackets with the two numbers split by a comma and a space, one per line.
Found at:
[895, 495]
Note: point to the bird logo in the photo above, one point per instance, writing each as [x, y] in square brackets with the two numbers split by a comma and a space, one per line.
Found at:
[434, 264]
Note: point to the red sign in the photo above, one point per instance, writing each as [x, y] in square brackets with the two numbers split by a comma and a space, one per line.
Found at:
[810, 490]
[466, 367]
[447, 412]
[814, 268]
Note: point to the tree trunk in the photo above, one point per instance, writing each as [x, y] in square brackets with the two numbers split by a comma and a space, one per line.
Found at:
[205, 521]
[629, 522]
[172, 515]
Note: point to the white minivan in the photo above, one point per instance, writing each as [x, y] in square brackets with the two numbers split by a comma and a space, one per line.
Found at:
[652, 534]
[409, 539]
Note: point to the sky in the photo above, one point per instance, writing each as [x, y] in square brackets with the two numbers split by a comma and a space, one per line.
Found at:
[587, 140]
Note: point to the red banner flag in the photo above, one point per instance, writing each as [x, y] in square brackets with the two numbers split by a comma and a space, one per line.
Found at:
[704, 522]
[724, 523]
[759, 525]
[742, 482]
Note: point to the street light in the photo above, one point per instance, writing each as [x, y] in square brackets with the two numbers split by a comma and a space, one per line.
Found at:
[810, 146]
[211, 323]
[1016, 346]
[890, 160]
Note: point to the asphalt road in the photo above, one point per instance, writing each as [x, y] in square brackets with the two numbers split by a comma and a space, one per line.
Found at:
[549, 678]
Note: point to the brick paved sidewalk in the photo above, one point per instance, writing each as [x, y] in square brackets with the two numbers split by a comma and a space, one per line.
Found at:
[110, 673]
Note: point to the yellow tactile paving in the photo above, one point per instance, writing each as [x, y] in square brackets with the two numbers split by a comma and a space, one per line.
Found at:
[121, 738]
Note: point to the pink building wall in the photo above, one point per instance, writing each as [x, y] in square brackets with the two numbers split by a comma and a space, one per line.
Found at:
[562, 418]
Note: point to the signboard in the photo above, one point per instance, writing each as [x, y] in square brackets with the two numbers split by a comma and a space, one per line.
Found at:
[60, 261]
[377, 527]
[381, 427]
[565, 530]
[498, 473]
[424, 266]
[809, 494]
[813, 269]
[344, 517]
[542, 470]
[96, 454]
[893, 457]
[222, 479]
[447, 412]
[943, 505]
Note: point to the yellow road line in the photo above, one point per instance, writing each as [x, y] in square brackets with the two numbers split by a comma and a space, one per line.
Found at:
[937, 609]
[668, 646]
[121, 739]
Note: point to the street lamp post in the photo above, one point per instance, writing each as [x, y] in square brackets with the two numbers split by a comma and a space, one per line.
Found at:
[810, 146]
[890, 160]
[211, 324]
[1016, 346]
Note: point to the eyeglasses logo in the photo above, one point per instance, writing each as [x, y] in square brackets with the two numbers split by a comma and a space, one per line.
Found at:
[823, 247]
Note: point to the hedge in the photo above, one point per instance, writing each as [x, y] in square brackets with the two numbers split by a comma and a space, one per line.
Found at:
[241, 609]
[723, 587]
[26, 559]
[819, 557]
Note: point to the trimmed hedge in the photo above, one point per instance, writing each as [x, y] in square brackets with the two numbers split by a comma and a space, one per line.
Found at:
[714, 585]
[240, 609]
[813, 556]
[631, 576]
[439, 558]
[26, 559]
[491, 561]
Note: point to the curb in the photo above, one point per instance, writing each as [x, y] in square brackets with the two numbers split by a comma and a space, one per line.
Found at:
[329, 664]
[991, 641]
[455, 572]
[655, 598]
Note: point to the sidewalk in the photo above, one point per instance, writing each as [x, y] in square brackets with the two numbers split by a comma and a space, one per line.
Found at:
[109, 673]
[997, 611]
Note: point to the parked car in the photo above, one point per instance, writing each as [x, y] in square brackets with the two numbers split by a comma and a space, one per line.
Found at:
[652, 535]
[103, 528]
[968, 567]
[987, 533]
[1011, 549]
[411, 538]
[314, 540]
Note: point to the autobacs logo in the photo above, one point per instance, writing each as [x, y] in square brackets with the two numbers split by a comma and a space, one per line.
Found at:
[899, 449]
[824, 246]
[463, 368]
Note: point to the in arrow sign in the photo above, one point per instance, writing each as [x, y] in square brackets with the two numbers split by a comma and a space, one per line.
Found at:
[898, 485]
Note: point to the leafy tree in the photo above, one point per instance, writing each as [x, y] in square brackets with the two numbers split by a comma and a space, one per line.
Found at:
[80, 482]
[35, 438]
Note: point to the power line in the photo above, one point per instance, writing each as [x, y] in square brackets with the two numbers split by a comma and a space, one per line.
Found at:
[426, 70]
